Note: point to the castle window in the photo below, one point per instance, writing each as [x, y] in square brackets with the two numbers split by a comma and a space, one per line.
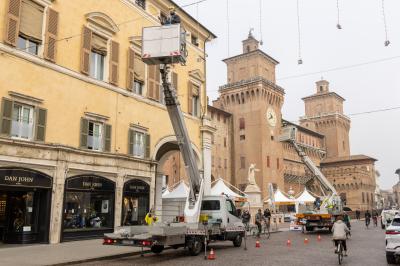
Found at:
[321, 88]
[242, 162]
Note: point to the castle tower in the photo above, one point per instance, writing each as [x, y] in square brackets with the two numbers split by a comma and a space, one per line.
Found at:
[324, 114]
[255, 102]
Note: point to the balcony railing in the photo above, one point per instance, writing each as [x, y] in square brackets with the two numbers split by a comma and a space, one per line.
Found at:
[251, 81]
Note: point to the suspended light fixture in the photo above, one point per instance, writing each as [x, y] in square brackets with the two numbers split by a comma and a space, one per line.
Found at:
[227, 24]
[338, 16]
[261, 29]
[387, 42]
[299, 61]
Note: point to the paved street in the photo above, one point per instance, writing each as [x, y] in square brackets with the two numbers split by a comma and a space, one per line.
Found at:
[366, 247]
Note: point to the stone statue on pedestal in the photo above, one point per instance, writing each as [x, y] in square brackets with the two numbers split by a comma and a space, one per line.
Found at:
[251, 174]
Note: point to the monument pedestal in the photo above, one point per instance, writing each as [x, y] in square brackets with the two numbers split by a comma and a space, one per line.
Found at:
[254, 198]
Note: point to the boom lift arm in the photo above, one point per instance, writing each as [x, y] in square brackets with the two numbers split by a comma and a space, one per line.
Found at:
[289, 135]
[193, 203]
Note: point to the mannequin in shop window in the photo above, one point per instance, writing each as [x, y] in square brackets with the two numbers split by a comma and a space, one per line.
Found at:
[127, 212]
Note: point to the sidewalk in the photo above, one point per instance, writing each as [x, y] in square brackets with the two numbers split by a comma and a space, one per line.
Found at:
[68, 253]
[64, 253]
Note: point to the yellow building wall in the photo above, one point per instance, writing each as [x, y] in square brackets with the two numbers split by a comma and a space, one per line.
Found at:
[67, 98]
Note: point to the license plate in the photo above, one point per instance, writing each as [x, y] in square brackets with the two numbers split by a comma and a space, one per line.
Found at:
[127, 242]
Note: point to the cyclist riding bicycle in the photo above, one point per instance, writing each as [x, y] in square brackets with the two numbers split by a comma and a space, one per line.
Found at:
[375, 217]
[367, 218]
[339, 231]
[246, 216]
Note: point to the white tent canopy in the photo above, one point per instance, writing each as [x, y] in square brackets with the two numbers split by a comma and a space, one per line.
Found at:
[181, 191]
[221, 188]
[305, 197]
[281, 198]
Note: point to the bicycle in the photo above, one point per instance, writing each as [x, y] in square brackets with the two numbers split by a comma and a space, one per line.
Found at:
[339, 251]
[375, 219]
[265, 229]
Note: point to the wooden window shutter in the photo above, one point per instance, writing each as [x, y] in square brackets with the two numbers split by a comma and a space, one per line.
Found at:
[6, 116]
[41, 119]
[50, 47]
[131, 69]
[157, 88]
[131, 140]
[190, 98]
[151, 82]
[31, 20]
[147, 155]
[107, 137]
[175, 81]
[12, 22]
[86, 49]
[84, 132]
[114, 63]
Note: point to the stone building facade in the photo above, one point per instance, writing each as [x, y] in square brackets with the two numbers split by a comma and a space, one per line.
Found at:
[255, 102]
[353, 176]
[84, 130]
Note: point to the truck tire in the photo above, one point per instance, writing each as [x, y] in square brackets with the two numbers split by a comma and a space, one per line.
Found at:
[309, 228]
[390, 258]
[195, 246]
[237, 242]
[157, 249]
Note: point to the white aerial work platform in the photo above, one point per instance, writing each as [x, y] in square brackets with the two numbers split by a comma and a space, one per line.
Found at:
[207, 218]
[164, 45]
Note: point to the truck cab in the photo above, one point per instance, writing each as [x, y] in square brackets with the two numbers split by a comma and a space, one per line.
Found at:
[220, 210]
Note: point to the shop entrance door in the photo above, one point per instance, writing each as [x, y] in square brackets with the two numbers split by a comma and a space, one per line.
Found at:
[24, 216]
[3, 204]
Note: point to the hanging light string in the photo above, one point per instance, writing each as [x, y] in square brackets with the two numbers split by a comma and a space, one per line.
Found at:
[227, 24]
[338, 16]
[387, 42]
[261, 29]
[299, 61]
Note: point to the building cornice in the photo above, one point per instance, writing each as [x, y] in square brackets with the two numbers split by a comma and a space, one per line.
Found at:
[334, 115]
[252, 81]
[255, 52]
[322, 95]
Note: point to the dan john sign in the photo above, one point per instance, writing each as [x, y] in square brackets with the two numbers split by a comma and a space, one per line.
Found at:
[24, 178]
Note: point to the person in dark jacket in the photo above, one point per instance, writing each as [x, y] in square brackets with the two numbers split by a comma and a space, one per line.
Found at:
[358, 213]
[172, 19]
[246, 217]
[367, 218]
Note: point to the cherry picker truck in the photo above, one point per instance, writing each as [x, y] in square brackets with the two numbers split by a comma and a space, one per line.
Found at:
[324, 213]
[207, 217]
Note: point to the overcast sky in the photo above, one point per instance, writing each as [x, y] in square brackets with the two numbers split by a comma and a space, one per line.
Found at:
[365, 88]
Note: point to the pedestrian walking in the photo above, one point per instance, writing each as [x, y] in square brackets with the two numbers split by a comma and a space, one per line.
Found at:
[259, 219]
[358, 213]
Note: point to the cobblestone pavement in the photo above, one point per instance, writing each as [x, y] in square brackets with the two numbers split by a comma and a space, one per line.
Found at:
[366, 248]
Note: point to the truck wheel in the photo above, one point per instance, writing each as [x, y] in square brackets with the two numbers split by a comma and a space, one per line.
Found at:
[390, 258]
[157, 249]
[237, 242]
[196, 246]
[309, 228]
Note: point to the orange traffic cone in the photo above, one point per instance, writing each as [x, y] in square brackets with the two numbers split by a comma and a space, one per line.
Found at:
[211, 256]
[257, 244]
[305, 240]
[319, 237]
[288, 243]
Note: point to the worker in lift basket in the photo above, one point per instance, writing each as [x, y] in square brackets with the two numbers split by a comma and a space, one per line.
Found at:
[150, 217]
[172, 19]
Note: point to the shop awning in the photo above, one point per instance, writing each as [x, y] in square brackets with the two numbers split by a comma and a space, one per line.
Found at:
[305, 197]
[181, 191]
[220, 188]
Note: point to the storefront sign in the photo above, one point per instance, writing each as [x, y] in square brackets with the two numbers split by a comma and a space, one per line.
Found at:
[89, 182]
[136, 186]
[24, 178]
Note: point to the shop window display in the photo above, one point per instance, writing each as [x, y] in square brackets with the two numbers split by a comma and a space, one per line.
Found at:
[88, 211]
